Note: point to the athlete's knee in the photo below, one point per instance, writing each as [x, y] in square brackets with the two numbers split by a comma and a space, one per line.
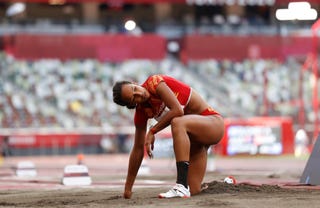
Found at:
[177, 122]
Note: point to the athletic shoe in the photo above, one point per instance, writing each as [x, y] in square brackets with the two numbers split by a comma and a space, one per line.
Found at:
[177, 191]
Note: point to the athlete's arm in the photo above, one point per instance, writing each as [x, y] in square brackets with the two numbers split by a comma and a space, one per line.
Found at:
[171, 101]
[175, 110]
[135, 160]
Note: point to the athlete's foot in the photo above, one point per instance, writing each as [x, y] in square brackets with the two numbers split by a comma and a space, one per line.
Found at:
[177, 191]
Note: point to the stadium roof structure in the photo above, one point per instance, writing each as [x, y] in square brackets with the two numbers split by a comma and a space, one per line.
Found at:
[191, 2]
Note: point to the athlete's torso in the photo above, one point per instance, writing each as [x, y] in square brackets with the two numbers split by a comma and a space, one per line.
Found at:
[190, 101]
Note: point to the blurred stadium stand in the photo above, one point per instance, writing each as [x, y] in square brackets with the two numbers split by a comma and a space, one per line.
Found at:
[61, 58]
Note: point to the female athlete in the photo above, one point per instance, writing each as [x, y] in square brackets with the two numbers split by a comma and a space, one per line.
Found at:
[194, 126]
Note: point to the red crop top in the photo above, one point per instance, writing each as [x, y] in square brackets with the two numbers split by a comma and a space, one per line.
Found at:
[155, 107]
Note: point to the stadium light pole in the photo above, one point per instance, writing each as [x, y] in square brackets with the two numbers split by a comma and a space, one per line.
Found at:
[307, 64]
[315, 27]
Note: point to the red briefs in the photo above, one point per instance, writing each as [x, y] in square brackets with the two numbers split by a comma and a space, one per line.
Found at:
[209, 111]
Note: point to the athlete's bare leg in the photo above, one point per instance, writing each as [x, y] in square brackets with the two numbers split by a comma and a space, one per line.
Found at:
[205, 130]
[192, 134]
[197, 167]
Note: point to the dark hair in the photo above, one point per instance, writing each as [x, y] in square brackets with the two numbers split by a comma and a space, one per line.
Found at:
[117, 92]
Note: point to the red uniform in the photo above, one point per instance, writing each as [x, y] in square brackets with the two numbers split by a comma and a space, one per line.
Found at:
[155, 107]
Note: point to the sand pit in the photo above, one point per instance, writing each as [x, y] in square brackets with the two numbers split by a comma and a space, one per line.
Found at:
[258, 186]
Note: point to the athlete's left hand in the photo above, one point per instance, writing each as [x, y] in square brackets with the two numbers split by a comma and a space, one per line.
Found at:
[149, 143]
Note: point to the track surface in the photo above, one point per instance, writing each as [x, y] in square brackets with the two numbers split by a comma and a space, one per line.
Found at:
[110, 171]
